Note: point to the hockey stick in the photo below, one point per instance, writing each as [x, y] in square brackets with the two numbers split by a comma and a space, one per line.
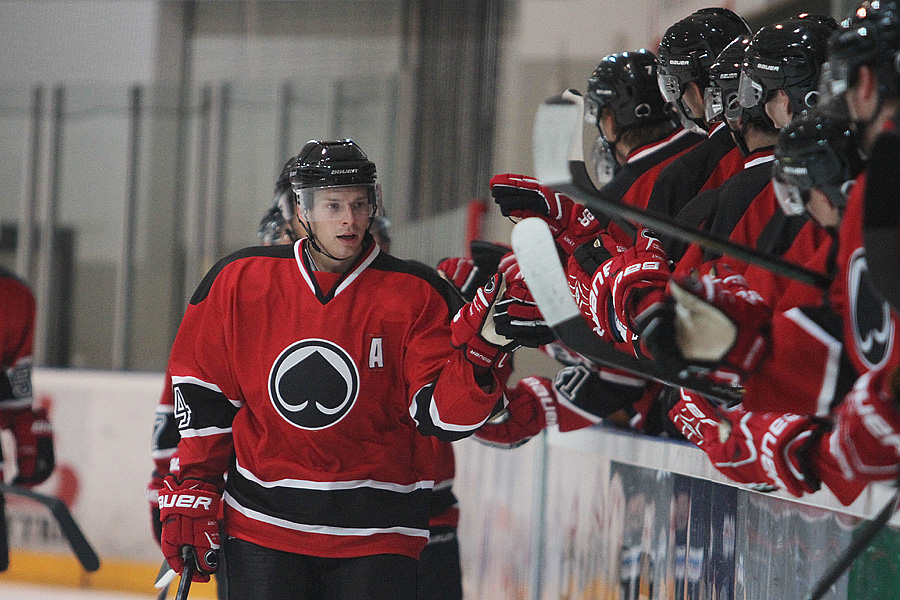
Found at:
[538, 260]
[67, 525]
[187, 573]
[856, 547]
[4, 536]
[558, 145]
[570, 181]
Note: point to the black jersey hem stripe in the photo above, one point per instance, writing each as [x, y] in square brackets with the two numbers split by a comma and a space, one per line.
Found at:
[321, 529]
[355, 508]
[328, 486]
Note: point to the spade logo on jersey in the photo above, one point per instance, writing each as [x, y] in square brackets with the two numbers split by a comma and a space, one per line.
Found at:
[313, 384]
[873, 330]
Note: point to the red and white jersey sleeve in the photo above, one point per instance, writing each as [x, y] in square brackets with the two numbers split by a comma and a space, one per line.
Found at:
[17, 321]
[304, 385]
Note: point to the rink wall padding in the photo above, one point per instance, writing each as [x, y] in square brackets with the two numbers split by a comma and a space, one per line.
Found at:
[593, 514]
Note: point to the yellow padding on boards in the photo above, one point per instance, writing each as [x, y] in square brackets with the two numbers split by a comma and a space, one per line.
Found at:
[118, 575]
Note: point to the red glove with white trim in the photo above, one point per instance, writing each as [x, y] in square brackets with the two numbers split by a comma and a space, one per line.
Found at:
[589, 262]
[520, 196]
[763, 450]
[469, 274]
[533, 405]
[866, 438]
[189, 511]
[641, 277]
[473, 327]
[518, 317]
[33, 433]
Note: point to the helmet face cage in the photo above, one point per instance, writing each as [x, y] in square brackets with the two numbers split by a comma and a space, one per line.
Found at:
[813, 152]
[720, 99]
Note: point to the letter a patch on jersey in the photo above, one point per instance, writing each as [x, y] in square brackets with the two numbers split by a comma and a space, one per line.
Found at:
[376, 353]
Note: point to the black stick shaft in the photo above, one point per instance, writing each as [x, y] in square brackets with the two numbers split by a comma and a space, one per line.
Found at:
[664, 225]
[856, 547]
[82, 549]
[187, 573]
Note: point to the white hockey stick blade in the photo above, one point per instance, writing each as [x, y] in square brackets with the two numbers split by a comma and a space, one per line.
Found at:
[165, 580]
[536, 254]
[556, 123]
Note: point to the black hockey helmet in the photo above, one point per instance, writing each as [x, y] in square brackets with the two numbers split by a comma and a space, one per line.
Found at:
[720, 99]
[284, 194]
[786, 56]
[341, 163]
[625, 83]
[272, 226]
[815, 150]
[871, 37]
[690, 46]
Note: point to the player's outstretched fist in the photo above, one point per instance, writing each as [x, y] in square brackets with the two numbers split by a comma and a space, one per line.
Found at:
[521, 196]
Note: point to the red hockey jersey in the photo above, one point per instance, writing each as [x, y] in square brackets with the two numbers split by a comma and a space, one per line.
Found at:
[17, 319]
[311, 389]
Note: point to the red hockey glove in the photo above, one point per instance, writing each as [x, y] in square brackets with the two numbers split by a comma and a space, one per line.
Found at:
[509, 266]
[596, 259]
[641, 278]
[520, 196]
[531, 407]
[534, 403]
[473, 327]
[764, 450]
[866, 438]
[469, 274]
[518, 317]
[462, 275]
[719, 327]
[585, 396]
[33, 433]
[189, 511]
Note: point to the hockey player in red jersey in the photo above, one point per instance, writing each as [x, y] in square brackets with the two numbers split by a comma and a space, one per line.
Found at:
[29, 425]
[308, 373]
[637, 128]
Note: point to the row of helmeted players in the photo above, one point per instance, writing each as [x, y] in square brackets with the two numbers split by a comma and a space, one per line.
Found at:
[796, 127]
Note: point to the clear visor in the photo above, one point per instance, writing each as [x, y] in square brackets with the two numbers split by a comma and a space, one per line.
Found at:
[603, 160]
[340, 202]
[591, 111]
[669, 86]
[713, 106]
[832, 88]
[791, 197]
[750, 92]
